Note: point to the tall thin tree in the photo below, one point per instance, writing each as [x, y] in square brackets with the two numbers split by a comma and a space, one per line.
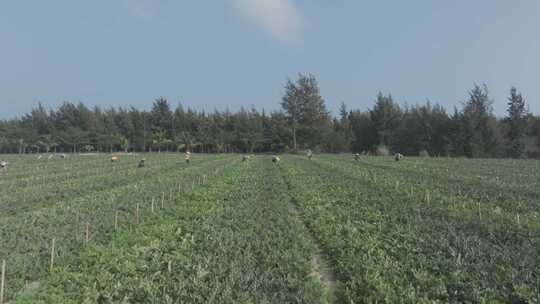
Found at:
[517, 124]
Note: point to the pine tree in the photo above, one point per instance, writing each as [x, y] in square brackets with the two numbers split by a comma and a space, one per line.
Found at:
[161, 118]
[306, 111]
[292, 105]
[517, 124]
[385, 115]
[478, 124]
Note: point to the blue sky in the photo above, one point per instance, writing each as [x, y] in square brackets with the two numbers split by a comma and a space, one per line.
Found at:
[229, 53]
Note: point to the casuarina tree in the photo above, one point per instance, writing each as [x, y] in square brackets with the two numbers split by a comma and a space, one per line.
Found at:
[517, 124]
[478, 124]
[306, 111]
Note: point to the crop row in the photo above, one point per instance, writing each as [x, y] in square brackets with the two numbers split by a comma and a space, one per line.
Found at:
[26, 239]
[233, 240]
[390, 244]
[452, 187]
[15, 201]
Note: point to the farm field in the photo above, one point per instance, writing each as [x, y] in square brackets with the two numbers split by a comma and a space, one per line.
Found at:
[223, 230]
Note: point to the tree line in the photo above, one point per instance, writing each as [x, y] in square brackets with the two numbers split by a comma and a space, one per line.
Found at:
[303, 122]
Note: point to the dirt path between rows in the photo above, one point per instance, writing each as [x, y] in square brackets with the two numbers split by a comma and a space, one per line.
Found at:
[321, 267]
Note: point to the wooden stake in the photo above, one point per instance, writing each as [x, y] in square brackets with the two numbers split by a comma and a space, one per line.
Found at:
[137, 214]
[116, 221]
[479, 211]
[51, 264]
[3, 281]
[162, 200]
[87, 234]
[169, 267]
[152, 205]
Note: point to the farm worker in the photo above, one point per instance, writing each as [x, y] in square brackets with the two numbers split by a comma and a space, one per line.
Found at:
[275, 159]
[114, 158]
[356, 156]
[63, 156]
[187, 156]
[3, 165]
[398, 157]
[141, 163]
[309, 154]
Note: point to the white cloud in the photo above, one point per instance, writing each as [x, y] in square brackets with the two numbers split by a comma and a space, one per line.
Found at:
[144, 9]
[280, 17]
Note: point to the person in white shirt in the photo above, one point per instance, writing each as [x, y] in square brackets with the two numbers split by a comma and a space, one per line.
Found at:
[3, 165]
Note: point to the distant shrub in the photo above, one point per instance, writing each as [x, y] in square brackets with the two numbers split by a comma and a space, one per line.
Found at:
[424, 153]
[382, 151]
[87, 148]
[285, 149]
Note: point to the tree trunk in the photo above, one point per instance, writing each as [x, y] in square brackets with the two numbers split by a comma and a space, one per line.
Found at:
[294, 138]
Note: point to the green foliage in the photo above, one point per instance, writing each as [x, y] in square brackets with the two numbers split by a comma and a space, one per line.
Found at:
[302, 123]
[517, 124]
[424, 230]
[306, 111]
[385, 117]
[478, 124]
[227, 240]
[417, 231]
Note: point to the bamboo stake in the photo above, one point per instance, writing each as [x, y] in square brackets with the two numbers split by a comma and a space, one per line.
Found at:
[51, 264]
[87, 234]
[152, 208]
[137, 214]
[479, 211]
[162, 200]
[2, 281]
[116, 221]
